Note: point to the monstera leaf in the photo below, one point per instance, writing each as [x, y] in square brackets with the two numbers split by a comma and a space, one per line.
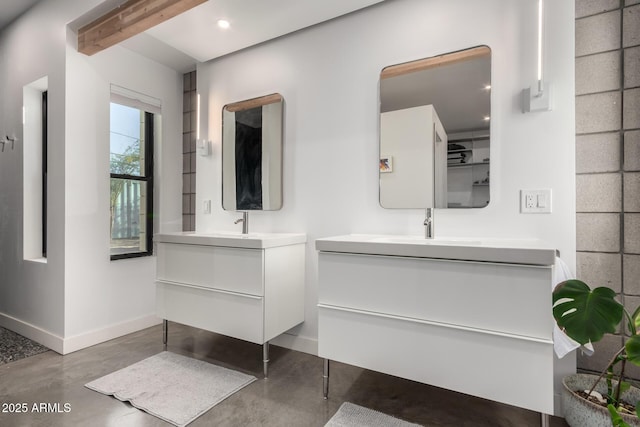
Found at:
[584, 314]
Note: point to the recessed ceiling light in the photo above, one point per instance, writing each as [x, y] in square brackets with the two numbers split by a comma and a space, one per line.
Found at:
[223, 23]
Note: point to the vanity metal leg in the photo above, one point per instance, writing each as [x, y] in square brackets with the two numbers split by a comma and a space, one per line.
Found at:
[165, 332]
[544, 420]
[325, 379]
[265, 359]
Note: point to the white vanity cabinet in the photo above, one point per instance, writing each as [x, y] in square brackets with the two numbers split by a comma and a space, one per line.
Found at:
[249, 287]
[474, 317]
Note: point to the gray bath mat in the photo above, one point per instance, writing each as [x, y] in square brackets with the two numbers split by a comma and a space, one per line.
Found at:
[350, 415]
[172, 387]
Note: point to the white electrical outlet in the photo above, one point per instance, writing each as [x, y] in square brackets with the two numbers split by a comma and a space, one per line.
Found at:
[529, 201]
[206, 207]
[535, 201]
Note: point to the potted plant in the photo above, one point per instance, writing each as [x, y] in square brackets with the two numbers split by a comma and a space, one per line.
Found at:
[586, 315]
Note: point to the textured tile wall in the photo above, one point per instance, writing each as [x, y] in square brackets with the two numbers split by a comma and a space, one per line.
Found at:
[188, 152]
[608, 155]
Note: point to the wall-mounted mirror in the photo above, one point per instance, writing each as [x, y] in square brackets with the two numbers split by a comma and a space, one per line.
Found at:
[252, 154]
[434, 131]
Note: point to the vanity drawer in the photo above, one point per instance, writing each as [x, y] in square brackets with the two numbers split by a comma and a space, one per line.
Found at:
[236, 315]
[230, 269]
[488, 365]
[509, 298]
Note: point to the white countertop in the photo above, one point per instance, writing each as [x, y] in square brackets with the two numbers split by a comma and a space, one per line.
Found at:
[515, 251]
[231, 239]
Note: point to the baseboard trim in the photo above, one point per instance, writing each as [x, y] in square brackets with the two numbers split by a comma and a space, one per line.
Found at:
[88, 339]
[39, 335]
[296, 342]
[78, 342]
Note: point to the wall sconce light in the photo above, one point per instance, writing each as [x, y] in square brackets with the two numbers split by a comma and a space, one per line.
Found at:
[198, 117]
[540, 99]
[203, 146]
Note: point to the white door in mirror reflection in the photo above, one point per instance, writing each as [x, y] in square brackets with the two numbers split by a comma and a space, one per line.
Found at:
[252, 154]
[417, 143]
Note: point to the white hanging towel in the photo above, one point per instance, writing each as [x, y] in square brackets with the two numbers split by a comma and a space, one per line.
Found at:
[562, 344]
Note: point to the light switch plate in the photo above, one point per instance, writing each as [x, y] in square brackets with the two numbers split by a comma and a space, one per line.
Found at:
[535, 201]
[203, 147]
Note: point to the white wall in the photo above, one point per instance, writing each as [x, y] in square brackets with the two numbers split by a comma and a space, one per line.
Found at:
[328, 76]
[77, 297]
[32, 293]
[101, 294]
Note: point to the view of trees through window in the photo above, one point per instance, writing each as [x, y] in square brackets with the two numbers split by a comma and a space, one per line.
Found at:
[131, 143]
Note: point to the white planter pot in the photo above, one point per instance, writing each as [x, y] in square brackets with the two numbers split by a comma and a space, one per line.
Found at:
[579, 412]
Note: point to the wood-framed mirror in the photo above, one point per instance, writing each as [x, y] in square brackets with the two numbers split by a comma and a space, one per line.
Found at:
[435, 116]
[252, 141]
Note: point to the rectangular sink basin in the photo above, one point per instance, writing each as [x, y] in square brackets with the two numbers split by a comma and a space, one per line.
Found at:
[233, 239]
[517, 251]
[417, 240]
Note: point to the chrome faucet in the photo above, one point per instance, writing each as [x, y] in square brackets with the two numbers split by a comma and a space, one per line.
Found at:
[428, 224]
[245, 222]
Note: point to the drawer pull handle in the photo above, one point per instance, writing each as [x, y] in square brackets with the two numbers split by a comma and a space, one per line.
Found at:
[432, 323]
[218, 291]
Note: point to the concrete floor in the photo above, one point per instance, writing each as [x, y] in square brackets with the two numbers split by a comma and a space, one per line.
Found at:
[292, 396]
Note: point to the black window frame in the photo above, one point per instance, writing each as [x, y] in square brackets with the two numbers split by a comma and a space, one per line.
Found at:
[44, 171]
[149, 141]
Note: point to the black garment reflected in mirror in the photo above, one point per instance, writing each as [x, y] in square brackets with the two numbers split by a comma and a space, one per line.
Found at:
[248, 157]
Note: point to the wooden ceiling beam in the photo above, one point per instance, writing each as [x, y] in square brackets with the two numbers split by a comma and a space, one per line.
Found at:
[127, 20]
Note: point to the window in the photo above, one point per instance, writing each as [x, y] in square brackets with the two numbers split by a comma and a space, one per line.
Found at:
[34, 169]
[44, 173]
[131, 167]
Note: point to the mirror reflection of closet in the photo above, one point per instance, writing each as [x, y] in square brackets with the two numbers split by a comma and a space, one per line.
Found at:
[252, 154]
[435, 131]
